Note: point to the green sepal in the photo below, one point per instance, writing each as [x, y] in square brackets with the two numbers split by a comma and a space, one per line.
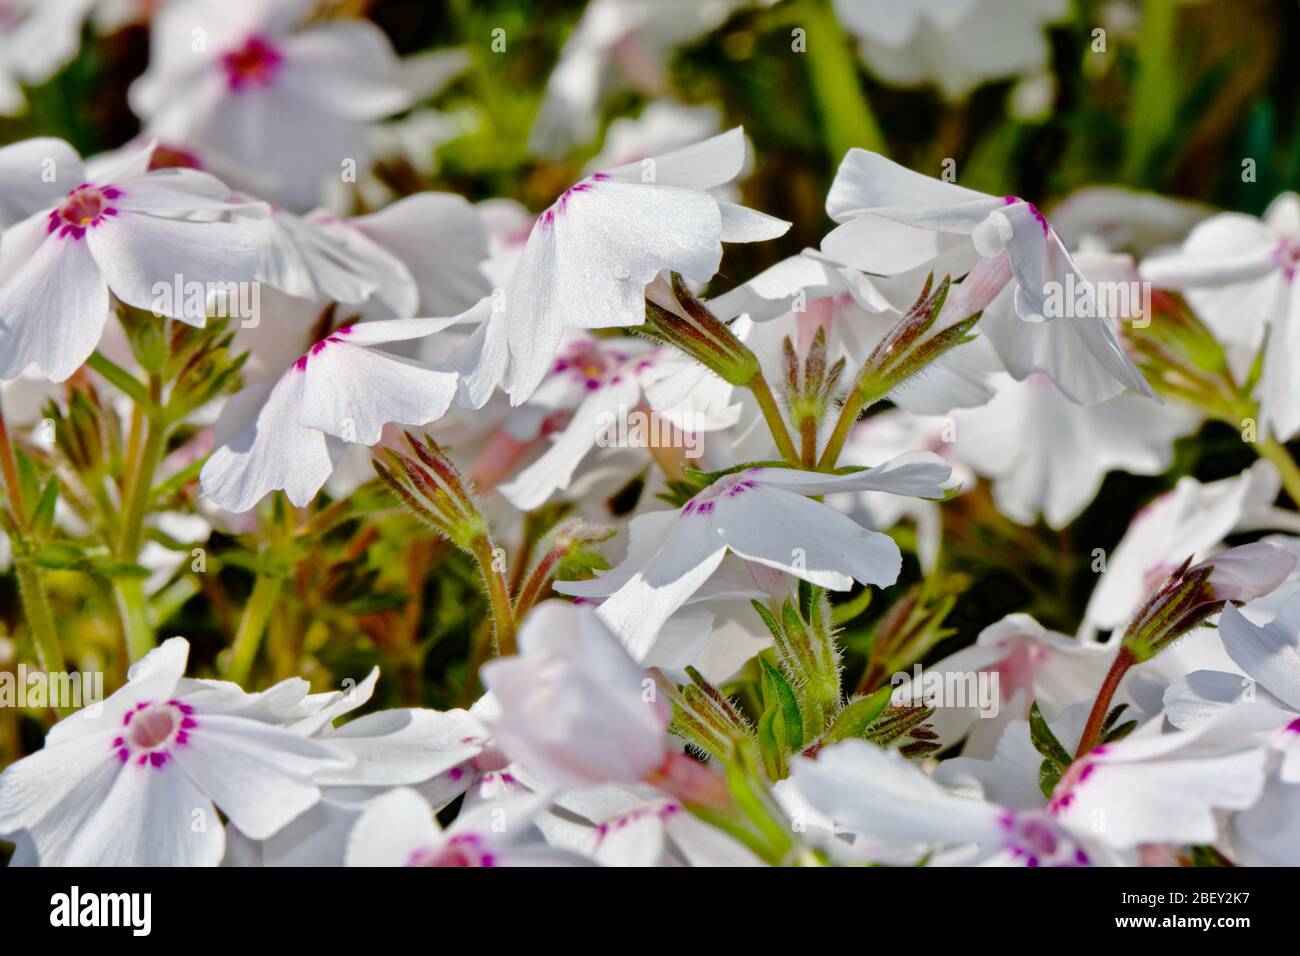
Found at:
[855, 720]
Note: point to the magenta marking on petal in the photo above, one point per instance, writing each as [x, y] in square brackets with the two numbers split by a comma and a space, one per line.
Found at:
[301, 364]
[144, 759]
[1294, 726]
[254, 64]
[158, 758]
[1042, 220]
[706, 507]
[456, 773]
[117, 742]
[182, 738]
[123, 755]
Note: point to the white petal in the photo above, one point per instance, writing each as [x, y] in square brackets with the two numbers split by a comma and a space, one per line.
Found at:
[258, 775]
[346, 67]
[399, 747]
[741, 224]
[351, 392]
[1223, 250]
[646, 534]
[688, 554]
[813, 541]
[700, 166]
[25, 170]
[272, 452]
[1270, 654]
[878, 792]
[138, 251]
[598, 414]
[153, 816]
[589, 259]
[442, 240]
[56, 786]
[52, 309]
[867, 181]
[392, 828]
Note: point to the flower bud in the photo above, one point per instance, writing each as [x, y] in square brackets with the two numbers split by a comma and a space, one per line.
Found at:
[674, 315]
[1194, 593]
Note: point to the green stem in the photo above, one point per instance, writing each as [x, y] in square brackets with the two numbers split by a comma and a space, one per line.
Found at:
[130, 591]
[858, 400]
[1272, 449]
[847, 120]
[36, 608]
[775, 422]
[1155, 96]
[141, 485]
[132, 609]
[266, 590]
[503, 619]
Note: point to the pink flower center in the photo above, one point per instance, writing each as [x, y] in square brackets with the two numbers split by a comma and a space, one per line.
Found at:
[253, 64]
[587, 363]
[173, 157]
[467, 849]
[151, 731]
[1038, 841]
[85, 208]
[1287, 255]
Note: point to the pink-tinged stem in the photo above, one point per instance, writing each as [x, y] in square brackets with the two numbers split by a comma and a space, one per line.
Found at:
[1101, 706]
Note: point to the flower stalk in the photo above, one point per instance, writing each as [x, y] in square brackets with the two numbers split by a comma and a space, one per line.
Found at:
[907, 348]
[431, 487]
[36, 607]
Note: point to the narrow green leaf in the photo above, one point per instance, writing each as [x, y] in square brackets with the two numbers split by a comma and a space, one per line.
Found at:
[1048, 777]
[43, 514]
[1044, 740]
[778, 694]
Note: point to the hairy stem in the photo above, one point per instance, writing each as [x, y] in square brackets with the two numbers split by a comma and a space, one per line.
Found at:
[503, 620]
[775, 422]
[854, 405]
[1101, 706]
